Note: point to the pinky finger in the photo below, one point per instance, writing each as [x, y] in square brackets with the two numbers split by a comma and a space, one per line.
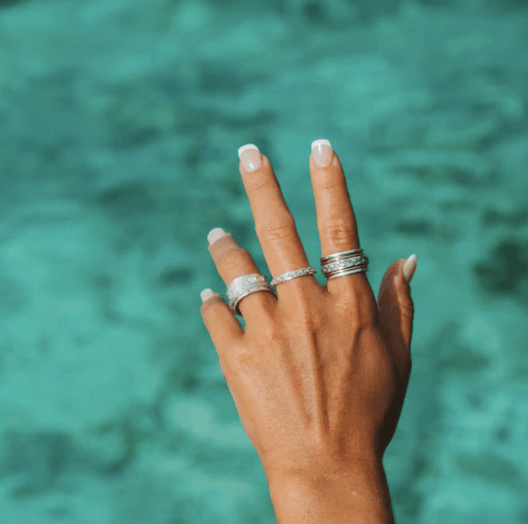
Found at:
[221, 323]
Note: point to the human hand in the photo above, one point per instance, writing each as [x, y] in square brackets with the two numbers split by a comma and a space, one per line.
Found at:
[320, 373]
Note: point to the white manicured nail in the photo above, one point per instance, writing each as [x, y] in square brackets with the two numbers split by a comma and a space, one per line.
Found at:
[250, 157]
[410, 267]
[322, 152]
[215, 234]
[206, 294]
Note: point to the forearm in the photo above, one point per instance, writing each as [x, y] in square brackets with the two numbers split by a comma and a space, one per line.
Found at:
[358, 495]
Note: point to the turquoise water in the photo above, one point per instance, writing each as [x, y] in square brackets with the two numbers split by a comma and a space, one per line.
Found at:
[119, 129]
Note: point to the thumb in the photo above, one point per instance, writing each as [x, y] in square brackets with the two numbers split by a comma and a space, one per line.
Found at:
[396, 312]
[396, 309]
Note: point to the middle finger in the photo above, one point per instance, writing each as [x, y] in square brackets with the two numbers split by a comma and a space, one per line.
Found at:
[274, 224]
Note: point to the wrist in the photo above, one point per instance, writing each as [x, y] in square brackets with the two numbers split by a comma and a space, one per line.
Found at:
[322, 464]
[356, 492]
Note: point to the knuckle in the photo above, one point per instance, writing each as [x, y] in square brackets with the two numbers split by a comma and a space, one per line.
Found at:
[239, 361]
[245, 356]
[406, 307]
[232, 259]
[331, 183]
[338, 230]
[277, 231]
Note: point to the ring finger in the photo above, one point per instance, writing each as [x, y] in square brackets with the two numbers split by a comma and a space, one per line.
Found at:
[232, 261]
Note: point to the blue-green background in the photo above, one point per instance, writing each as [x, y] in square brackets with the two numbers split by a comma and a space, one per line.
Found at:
[119, 128]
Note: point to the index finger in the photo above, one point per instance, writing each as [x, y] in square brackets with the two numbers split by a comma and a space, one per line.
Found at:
[336, 220]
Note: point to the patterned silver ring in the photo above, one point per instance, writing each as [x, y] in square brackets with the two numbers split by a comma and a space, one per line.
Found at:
[293, 274]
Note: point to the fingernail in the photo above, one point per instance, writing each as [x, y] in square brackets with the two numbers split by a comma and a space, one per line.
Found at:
[215, 234]
[322, 152]
[410, 267]
[250, 157]
[206, 294]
